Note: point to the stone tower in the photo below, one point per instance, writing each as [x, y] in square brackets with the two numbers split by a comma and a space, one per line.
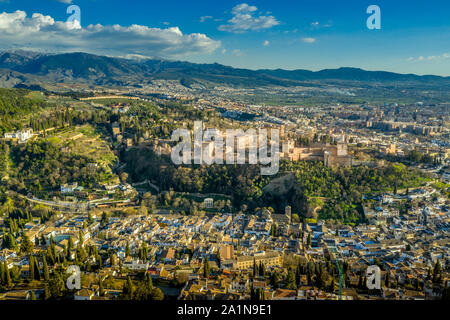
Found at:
[287, 212]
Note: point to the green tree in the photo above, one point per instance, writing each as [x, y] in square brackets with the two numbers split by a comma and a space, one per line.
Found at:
[105, 218]
[290, 280]
[436, 271]
[262, 270]
[255, 268]
[8, 281]
[157, 294]
[47, 294]
[127, 249]
[274, 279]
[128, 289]
[37, 272]
[45, 267]
[56, 286]
[101, 290]
[2, 274]
[149, 281]
[31, 268]
[206, 268]
[9, 242]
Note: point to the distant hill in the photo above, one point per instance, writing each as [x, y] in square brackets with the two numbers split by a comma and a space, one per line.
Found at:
[351, 74]
[106, 70]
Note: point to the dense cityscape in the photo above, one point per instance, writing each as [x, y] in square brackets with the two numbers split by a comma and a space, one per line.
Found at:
[108, 200]
[224, 159]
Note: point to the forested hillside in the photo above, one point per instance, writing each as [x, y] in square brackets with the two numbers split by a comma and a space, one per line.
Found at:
[317, 191]
[41, 166]
[15, 104]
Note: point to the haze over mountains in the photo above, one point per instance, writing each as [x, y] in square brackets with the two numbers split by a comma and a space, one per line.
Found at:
[24, 67]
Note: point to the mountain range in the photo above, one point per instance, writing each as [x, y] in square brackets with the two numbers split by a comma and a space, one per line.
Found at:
[24, 67]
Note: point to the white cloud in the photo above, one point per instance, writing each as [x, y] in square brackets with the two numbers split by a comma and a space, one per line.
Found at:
[242, 8]
[41, 32]
[442, 57]
[65, 1]
[204, 18]
[244, 19]
[238, 53]
[134, 57]
[318, 25]
[290, 31]
[309, 40]
[266, 43]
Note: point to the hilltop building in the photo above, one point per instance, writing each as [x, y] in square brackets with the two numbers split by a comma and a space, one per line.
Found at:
[330, 155]
[22, 135]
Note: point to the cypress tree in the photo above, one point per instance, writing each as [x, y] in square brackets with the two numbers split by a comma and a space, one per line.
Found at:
[128, 289]
[206, 269]
[45, 266]
[290, 280]
[43, 241]
[70, 243]
[90, 219]
[386, 279]
[37, 272]
[255, 268]
[31, 268]
[47, 294]
[50, 256]
[100, 288]
[127, 249]
[297, 274]
[436, 271]
[8, 281]
[2, 274]
[262, 269]
[308, 277]
[149, 281]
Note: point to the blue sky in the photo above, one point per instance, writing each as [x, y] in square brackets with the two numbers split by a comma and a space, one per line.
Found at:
[414, 35]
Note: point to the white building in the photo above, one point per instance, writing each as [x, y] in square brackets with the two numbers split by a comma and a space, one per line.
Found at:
[22, 135]
[208, 203]
[69, 188]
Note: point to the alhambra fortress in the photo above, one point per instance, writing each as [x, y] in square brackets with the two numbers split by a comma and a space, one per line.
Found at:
[330, 155]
